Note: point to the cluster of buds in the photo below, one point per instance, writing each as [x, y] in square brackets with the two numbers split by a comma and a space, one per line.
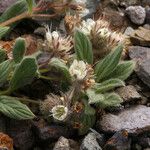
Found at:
[59, 45]
[82, 72]
[102, 37]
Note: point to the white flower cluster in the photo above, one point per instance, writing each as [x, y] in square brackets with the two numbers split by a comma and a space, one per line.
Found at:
[78, 69]
[58, 43]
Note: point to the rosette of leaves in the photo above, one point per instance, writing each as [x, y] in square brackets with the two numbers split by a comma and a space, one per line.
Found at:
[15, 74]
[110, 73]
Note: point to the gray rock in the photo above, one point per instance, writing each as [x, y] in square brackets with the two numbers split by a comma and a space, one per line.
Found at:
[119, 141]
[62, 144]
[137, 14]
[139, 53]
[142, 56]
[144, 72]
[90, 143]
[66, 144]
[128, 93]
[135, 120]
[129, 31]
[144, 141]
[4, 4]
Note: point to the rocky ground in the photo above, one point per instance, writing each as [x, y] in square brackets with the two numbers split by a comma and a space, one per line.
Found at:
[122, 128]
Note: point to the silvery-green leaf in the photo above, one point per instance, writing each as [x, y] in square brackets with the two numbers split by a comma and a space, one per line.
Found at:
[106, 66]
[2, 55]
[60, 67]
[87, 118]
[123, 70]
[3, 31]
[24, 73]
[94, 97]
[19, 50]
[110, 99]
[16, 9]
[108, 85]
[83, 47]
[13, 108]
[5, 69]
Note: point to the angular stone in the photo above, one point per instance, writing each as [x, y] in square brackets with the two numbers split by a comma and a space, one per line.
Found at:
[66, 144]
[144, 72]
[135, 120]
[137, 14]
[141, 37]
[6, 143]
[139, 53]
[90, 143]
[128, 93]
[119, 141]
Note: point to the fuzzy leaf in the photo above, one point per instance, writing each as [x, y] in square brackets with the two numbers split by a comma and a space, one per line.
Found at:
[123, 70]
[16, 9]
[19, 50]
[3, 31]
[2, 55]
[108, 85]
[94, 97]
[83, 47]
[87, 118]
[5, 69]
[106, 66]
[110, 99]
[30, 5]
[23, 74]
[60, 67]
[13, 108]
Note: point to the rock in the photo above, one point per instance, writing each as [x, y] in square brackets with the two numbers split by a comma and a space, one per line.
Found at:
[128, 93]
[4, 4]
[129, 31]
[119, 141]
[99, 137]
[6, 143]
[139, 53]
[141, 37]
[47, 132]
[136, 14]
[90, 143]
[147, 26]
[144, 72]
[21, 133]
[65, 144]
[135, 120]
[148, 15]
[143, 141]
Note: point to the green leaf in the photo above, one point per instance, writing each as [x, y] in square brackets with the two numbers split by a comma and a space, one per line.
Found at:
[94, 97]
[16, 9]
[60, 67]
[110, 99]
[5, 69]
[2, 55]
[106, 66]
[83, 47]
[23, 74]
[87, 118]
[3, 31]
[30, 5]
[13, 108]
[19, 50]
[123, 70]
[108, 85]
